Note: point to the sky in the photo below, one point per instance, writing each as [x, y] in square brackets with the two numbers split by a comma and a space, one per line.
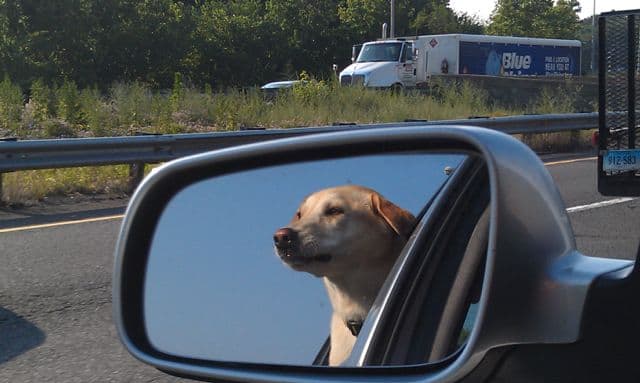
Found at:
[483, 8]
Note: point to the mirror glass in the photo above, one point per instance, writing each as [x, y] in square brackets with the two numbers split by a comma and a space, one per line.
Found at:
[242, 265]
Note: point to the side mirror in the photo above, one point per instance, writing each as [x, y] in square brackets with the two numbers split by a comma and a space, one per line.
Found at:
[355, 51]
[239, 264]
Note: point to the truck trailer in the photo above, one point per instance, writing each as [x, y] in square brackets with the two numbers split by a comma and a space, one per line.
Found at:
[412, 61]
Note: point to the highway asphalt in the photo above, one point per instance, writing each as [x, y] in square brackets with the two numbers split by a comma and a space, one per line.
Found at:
[55, 278]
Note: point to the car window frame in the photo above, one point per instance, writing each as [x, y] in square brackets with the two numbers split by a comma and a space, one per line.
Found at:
[374, 347]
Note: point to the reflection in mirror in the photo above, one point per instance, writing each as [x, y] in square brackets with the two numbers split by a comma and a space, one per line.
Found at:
[261, 266]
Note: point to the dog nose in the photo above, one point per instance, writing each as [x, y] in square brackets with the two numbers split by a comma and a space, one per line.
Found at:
[284, 237]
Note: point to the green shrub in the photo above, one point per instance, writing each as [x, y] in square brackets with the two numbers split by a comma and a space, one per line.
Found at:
[132, 105]
[171, 128]
[177, 92]
[475, 98]
[223, 110]
[196, 108]
[554, 100]
[160, 112]
[57, 128]
[68, 103]
[11, 105]
[41, 101]
[310, 91]
[97, 113]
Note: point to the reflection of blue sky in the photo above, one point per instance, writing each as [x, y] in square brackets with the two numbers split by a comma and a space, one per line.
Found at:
[215, 288]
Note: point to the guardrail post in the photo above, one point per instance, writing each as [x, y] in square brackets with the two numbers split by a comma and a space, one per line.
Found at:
[136, 173]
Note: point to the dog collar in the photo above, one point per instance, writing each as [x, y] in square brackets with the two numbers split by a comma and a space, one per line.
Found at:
[354, 325]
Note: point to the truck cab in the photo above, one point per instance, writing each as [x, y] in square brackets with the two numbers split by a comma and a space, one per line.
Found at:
[382, 64]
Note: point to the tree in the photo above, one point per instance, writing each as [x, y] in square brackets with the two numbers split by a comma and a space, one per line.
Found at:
[435, 17]
[148, 38]
[562, 20]
[12, 42]
[56, 43]
[470, 24]
[217, 42]
[535, 18]
[313, 32]
[364, 18]
[232, 44]
[585, 36]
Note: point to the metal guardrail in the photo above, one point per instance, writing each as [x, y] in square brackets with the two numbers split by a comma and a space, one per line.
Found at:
[74, 152]
[140, 150]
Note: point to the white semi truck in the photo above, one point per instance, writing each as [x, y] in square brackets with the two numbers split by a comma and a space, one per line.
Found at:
[412, 61]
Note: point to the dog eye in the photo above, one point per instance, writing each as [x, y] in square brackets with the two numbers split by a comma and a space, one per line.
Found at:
[334, 211]
[298, 215]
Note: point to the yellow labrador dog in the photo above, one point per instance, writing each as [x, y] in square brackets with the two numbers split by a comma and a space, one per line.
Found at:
[350, 236]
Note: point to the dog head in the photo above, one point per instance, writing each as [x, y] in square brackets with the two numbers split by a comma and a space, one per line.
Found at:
[344, 228]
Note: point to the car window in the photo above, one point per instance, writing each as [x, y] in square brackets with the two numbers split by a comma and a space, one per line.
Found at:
[435, 302]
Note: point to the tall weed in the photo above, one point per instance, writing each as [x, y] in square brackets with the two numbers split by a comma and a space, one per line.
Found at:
[132, 105]
[41, 101]
[11, 104]
[68, 98]
[33, 185]
[97, 113]
[177, 92]
[161, 113]
[309, 91]
[554, 100]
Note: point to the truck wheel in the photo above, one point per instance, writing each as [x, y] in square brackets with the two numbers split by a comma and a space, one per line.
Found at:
[396, 88]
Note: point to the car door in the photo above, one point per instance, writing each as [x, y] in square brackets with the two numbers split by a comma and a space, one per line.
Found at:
[407, 68]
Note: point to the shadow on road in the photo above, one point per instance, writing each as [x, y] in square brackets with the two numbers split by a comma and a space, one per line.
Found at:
[17, 335]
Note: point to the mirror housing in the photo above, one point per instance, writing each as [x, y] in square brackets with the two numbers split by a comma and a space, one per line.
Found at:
[355, 51]
[534, 286]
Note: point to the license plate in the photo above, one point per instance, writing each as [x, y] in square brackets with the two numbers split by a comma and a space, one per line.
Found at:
[621, 160]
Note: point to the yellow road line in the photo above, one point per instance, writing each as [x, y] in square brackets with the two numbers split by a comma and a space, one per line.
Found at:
[64, 223]
[570, 161]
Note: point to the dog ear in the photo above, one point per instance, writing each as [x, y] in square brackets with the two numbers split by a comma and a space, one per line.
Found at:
[400, 220]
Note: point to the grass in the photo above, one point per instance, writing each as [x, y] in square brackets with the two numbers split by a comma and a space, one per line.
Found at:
[126, 109]
[27, 187]
[65, 111]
